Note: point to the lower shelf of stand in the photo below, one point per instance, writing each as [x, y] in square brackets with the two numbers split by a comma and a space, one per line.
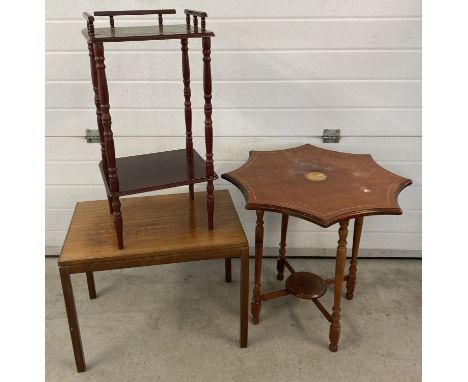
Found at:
[149, 172]
[306, 285]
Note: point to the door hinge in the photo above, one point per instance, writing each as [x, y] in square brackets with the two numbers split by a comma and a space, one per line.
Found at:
[331, 136]
[92, 136]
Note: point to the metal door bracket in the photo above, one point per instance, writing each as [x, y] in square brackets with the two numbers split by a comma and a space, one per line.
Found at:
[331, 136]
[92, 136]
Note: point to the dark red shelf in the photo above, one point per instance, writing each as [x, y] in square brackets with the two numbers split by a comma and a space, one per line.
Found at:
[149, 172]
[145, 33]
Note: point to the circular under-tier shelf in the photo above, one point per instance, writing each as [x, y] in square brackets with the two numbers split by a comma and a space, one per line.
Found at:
[306, 285]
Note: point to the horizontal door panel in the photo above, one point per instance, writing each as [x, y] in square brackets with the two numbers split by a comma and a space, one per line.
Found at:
[388, 149]
[59, 9]
[250, 94]
[295, 65]
[274, 122]
[261, 35]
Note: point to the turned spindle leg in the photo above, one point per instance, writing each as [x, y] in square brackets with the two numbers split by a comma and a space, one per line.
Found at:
[97, 103]
[73, 320]
[282, 249]
[351, 282]
[256, 299]
[206, 44]
[187, 109]
[108, 139]
[335, 326]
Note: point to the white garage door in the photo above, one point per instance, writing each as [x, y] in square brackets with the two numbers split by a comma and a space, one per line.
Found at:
[282, 74]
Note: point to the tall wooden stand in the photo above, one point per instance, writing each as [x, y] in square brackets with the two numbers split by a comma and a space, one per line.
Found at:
[150, 172]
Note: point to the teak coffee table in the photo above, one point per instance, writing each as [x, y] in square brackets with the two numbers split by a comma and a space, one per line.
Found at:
[159, 230]
[324, 187]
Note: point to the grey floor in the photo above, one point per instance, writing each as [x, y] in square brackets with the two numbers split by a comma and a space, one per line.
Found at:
[179, 322]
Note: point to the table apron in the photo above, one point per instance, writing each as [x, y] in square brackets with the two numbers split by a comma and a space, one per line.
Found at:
[148, 261]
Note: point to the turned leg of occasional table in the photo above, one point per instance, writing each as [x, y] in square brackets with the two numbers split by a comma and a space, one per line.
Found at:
[91, 285]
[335, 326]
[244, 298]
[227, 269]
[256, 298]
[282, 248]
[72, 320]
[351, 282]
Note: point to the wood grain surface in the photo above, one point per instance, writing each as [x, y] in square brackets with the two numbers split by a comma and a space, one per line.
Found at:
[168, 226]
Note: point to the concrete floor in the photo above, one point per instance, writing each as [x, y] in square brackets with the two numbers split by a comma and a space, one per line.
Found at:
[180, 322]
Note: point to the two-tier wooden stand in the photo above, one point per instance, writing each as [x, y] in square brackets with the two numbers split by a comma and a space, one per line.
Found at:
[156, 171]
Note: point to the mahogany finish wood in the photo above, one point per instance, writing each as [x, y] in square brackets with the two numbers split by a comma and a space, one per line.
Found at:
[306, 285]
[335, 326]
[355, 185]
[351, 279]
[138, 12]
[144, 33]
[256, 298]
[113, 180]
[97, 103]
[275, 294]
[187, 105]
[206, 44]
[324, 187]
[282, 249]
[158, 230]
[322, 309]
[155, 171]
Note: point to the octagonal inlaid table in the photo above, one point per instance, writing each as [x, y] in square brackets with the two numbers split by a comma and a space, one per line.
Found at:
[322, 186]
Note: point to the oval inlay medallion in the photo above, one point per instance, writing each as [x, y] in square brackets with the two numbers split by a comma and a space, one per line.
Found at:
[315, 176]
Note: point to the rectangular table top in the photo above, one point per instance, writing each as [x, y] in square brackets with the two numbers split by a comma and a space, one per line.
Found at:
[169, 226]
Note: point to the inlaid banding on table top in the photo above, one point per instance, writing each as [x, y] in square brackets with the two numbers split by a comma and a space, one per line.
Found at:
[316, 184]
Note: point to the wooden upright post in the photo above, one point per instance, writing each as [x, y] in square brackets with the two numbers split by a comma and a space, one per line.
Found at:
[108, 140]
[97, 103]
[206, 44]
[187, 109]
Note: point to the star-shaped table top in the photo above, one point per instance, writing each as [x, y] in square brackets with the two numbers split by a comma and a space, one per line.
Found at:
[319, 185]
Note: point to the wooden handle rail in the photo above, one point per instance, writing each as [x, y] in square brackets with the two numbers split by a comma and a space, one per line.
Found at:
[89, 22]
[136, 12]
[195, 14]
[90, 19]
